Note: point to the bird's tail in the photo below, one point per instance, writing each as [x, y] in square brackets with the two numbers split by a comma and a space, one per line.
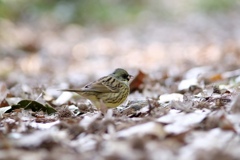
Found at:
[70, 90]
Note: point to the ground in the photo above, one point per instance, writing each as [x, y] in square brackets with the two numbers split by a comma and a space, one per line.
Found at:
[184, 101]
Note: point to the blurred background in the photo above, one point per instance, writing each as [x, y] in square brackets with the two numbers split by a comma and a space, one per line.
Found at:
[48, 42]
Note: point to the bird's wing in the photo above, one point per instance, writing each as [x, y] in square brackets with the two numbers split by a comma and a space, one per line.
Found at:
[103, 85]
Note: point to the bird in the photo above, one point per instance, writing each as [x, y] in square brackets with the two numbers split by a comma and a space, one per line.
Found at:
[109, 91]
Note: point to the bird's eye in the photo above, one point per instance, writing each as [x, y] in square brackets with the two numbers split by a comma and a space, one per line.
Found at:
[125, 76]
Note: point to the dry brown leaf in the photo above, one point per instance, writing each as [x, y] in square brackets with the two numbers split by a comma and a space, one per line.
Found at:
[216, 77]
[137, 81]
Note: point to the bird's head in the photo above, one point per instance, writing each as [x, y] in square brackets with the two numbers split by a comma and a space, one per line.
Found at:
[121, 75]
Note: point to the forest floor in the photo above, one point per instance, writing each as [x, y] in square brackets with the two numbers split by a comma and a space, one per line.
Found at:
[184, 101]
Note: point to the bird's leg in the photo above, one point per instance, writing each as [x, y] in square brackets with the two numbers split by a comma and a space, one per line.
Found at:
[103, 108]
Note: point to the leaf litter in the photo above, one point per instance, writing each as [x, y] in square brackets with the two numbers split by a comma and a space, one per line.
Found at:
[188, 109]
[172, 125]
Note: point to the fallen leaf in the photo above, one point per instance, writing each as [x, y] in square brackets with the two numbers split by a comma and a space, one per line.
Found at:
[186, 83]
[235, 105]
[3, 110]
[3, 91]
[179, 122]
[170, 97]
[216, 77]
[63, 98]
[137, 81]
[149, 128]
[34, 106]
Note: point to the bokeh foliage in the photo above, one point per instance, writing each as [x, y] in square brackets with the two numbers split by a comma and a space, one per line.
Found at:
[78, 11]
[216, 5]
[104, 11]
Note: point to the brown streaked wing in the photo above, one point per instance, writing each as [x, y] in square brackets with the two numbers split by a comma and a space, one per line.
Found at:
[103, 85]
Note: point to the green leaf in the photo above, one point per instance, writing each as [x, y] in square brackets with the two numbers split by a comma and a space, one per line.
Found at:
[31, 105]
[15, 106]
[34, 106]
[49, 109]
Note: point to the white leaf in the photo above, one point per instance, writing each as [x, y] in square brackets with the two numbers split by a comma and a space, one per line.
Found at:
[3, 110]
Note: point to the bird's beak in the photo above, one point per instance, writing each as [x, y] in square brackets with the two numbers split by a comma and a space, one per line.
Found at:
[130, 77]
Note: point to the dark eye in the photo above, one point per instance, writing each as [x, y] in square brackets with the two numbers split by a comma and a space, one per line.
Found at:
[125, 76]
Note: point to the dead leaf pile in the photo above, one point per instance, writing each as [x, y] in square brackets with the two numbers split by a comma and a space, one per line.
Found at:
[184, 102]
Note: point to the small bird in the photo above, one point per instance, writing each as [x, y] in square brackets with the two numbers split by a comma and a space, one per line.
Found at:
[110, 91]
